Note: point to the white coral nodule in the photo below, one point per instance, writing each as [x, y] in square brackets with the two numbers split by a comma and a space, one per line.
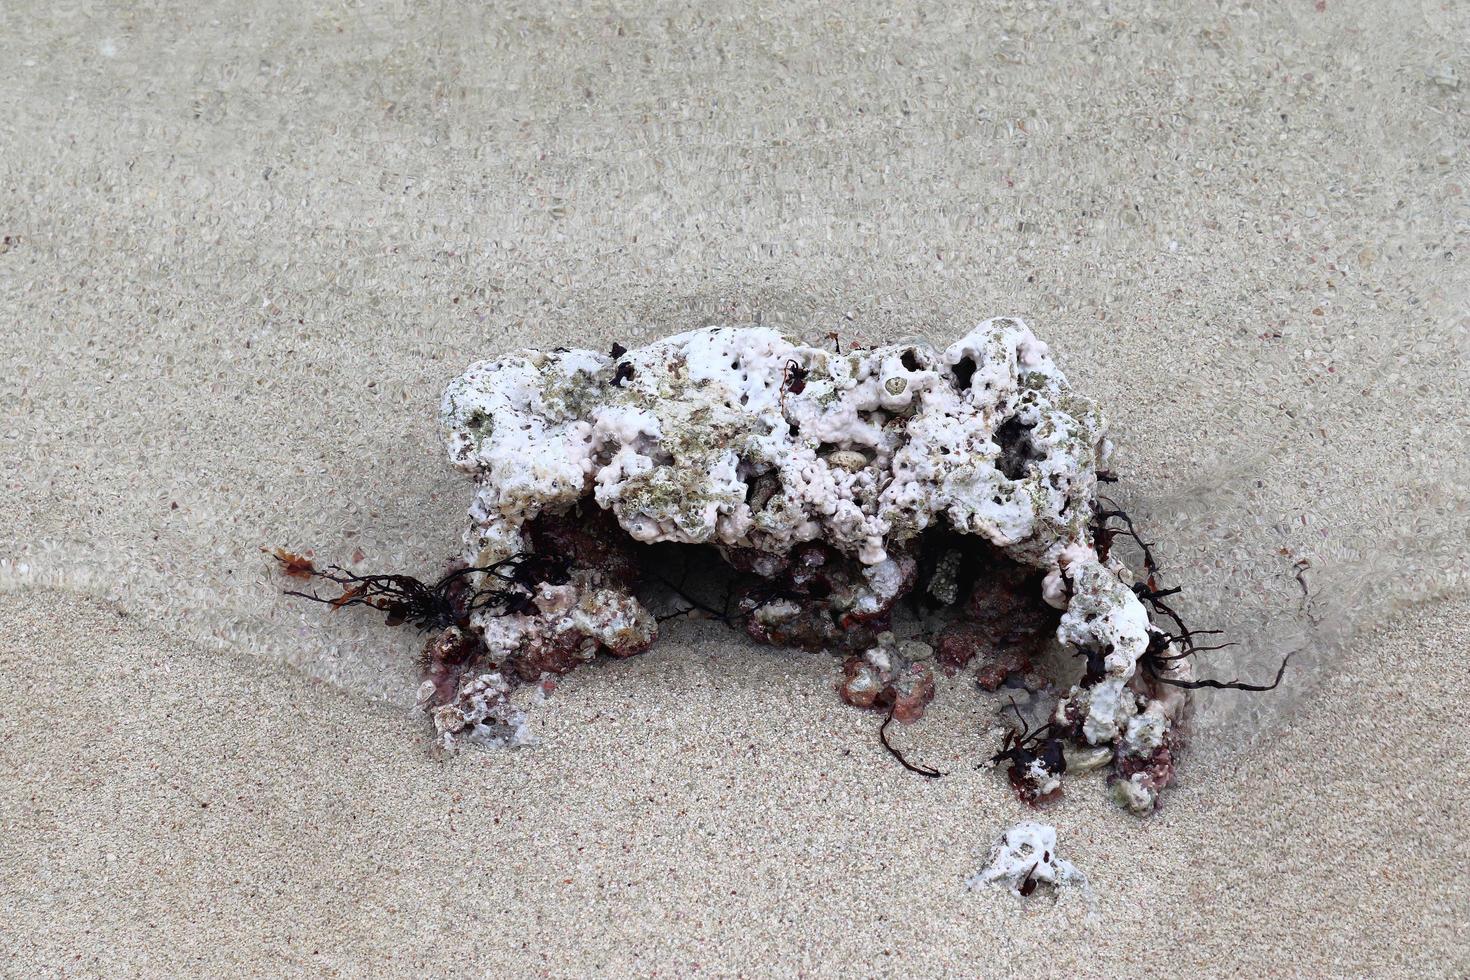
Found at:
[819, 475]
[1024, 857]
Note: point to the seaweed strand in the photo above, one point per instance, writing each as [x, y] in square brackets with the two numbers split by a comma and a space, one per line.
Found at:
[924, 771]
[447, 601]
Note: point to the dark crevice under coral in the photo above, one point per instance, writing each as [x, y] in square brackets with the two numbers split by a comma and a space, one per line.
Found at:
[958, 602]
[964, 602]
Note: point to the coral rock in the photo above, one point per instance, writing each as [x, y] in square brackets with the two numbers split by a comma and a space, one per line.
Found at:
[480, 713]
[820, 474]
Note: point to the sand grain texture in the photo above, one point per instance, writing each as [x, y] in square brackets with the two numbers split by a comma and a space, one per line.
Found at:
[244, 246]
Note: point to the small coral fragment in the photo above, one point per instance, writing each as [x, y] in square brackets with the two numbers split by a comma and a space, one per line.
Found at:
[1037, 757]
[480, 713]
[882, 677]
[1024, 857]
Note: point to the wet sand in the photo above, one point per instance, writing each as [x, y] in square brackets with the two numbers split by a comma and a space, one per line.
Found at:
[246, 246]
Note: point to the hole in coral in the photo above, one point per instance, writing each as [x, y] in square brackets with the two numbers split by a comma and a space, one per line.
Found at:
[759, 491]
[964, 372]
[952, 592]
[828, 448]
[1017, 452]
[910, 361]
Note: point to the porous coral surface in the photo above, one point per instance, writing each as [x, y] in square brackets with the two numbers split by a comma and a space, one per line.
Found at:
[1022, 858]
[818, 473]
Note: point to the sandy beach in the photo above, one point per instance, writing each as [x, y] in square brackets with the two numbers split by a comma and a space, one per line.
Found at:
[244, 247]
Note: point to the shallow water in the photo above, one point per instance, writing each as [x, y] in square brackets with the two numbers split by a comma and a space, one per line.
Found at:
[1278, 580]
[239, 273]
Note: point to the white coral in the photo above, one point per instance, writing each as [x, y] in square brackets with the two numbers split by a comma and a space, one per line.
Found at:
[670, 438]
[739, 438]
[1023, 857]
[483, 715]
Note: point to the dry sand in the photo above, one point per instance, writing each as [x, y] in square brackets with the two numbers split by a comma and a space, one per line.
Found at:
[246, 245]
[170, 809]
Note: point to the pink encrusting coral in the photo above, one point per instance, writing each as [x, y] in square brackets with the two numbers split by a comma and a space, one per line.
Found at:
[832, 485]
